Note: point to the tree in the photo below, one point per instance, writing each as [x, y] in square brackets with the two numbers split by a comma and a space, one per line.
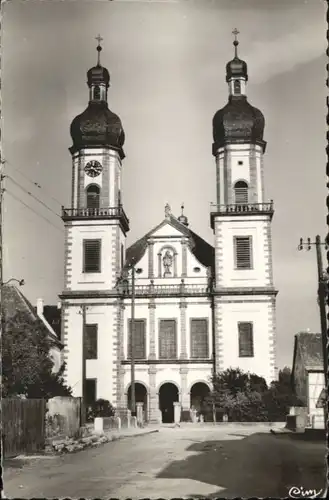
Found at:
[239, 395]
[280, 396]
[26, 364]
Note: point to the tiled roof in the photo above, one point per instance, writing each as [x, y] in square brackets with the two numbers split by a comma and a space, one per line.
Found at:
[203, 252]
[14, 301]
[310, 345]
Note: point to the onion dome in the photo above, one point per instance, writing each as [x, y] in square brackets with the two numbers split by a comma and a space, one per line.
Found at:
[238, 122]
[97, 125]
[182, 218]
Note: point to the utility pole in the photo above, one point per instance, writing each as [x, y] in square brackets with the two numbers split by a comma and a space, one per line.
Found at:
[1, 219]
[83, 376]
[132, 343]
[322, 293]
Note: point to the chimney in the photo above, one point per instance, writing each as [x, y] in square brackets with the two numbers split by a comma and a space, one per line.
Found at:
[40, 307]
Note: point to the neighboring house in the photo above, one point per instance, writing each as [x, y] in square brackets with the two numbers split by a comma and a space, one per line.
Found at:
[199, 307]
[308, 374]
[14, 301]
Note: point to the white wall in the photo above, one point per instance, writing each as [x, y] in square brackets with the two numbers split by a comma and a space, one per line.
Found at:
[226, 228]
[316, 383]
[258, 314]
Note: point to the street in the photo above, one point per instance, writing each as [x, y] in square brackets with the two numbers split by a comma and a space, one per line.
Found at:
[189, 462]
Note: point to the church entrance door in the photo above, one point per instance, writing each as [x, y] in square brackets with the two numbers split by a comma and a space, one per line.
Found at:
[140, 396]
[168, 394]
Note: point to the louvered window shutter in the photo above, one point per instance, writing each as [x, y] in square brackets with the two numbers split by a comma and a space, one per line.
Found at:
[243, 252]
[92, 256]
[199, 338]
[140, 340]
[246, 341]
[167, 339]
[91, 341]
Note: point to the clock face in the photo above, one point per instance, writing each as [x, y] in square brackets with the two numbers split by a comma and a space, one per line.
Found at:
[93, 168]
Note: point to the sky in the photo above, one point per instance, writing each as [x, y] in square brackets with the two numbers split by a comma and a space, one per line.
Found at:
[167, 63]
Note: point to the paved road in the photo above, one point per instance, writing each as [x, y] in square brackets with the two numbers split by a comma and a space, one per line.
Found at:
[177, 462]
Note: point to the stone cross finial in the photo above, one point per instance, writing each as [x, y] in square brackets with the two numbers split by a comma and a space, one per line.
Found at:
[167, 211]
[99, 48]
[236, 42]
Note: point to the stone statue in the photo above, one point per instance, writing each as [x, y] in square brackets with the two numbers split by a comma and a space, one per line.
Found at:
[167, 263]
[167, 211]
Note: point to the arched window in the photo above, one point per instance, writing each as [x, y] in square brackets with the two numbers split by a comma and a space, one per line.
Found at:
[237, 87]
[93, 193]
[241, 193]
[97, 93]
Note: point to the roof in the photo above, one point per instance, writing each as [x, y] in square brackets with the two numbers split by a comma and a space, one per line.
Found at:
[14, 301]
[203, 251]
[310, 348]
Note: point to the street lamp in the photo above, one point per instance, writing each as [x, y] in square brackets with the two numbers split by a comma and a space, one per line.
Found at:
[122, 278]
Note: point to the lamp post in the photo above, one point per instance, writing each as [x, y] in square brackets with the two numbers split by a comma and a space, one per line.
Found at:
[134, 271]
[322, 292]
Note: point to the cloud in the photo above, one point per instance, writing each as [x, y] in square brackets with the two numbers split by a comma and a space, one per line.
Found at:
[268, 59]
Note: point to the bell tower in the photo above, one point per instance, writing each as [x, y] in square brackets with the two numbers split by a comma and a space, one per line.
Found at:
[241, 221]
[95, 233]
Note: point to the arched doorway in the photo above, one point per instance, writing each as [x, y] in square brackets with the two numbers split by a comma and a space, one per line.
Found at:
[140, 397]
[199, 393]
[168, 394]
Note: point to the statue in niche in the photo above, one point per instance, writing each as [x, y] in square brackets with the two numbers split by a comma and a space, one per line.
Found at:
[167, 263]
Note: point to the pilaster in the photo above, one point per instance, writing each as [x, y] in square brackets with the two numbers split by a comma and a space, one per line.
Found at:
[183, 339]
[184, 258]
[154, 412]
[151, 259]
[185, 395]
[152, 307]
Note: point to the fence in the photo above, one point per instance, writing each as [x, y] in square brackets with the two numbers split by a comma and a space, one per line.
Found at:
[23, 426]
[63, 417]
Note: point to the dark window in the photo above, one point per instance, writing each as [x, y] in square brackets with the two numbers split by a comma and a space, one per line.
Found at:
[91, 341]
[97, 93]
[140, 340]
[240, 162]
[93, 195]
[199, 338]
[237, 86]
[122, 256]
[246, 341]
[243, 252]
[91, 256]
[90, 391]
[167, 339]
[241, 193]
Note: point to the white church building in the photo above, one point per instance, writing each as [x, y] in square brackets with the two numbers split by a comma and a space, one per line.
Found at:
[199, 309]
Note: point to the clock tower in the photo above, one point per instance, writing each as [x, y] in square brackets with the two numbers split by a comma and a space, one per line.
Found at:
[95, 234]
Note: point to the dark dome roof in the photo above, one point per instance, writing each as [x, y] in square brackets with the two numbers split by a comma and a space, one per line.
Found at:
[97, 126]
[97, 75]
[238, 122]
[236, 68]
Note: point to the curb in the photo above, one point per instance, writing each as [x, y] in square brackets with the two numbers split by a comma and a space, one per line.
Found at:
[117, 438]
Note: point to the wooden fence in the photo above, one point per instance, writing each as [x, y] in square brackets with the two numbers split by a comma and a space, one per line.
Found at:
[23, 426]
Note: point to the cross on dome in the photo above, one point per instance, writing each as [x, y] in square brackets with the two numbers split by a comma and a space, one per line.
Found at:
[99, 48]
[235, 32]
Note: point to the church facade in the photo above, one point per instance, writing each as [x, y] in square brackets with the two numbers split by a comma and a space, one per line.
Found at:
[197, 308]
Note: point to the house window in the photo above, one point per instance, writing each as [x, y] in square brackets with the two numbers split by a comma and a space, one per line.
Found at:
[91, 256]
[167, 339]
[243, 252]
[93, 196]
[237, 87]
[91, 334]
[199, 338]
[97, 93]
[241, 193]
[90, 391]
[246, 341]
[139, 337]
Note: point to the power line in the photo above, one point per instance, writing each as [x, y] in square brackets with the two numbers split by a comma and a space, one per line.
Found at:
[34, 211]
[33, 196]
[36, 184]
